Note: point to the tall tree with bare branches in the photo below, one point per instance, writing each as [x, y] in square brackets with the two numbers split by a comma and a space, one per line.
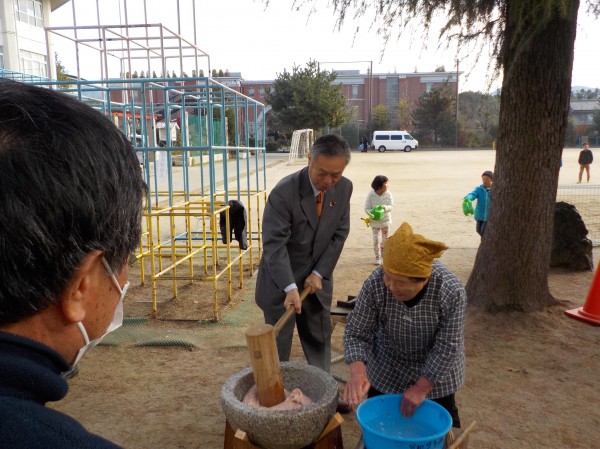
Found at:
[533, 42]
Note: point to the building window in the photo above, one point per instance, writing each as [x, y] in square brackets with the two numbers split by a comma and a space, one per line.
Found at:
[392, 94]
[355, 91]
[33, 63]
[251, 92]
[30, 11]
[262, 92]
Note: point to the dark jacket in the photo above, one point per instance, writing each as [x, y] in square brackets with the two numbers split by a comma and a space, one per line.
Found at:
[30, 377]
[237, 224]
[585, 157]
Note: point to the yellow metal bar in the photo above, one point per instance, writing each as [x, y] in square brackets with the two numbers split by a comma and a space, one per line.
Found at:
[173, 253]
[215, 254]
[228, 252]
[178, 262]
[158, 238]
[153, 269]
[189, 240]
[249, 226]
[205, 258]
[241, 272]
[204, 243]
[143, 253]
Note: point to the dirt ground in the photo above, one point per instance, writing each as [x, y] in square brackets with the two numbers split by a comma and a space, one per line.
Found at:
[532, 379]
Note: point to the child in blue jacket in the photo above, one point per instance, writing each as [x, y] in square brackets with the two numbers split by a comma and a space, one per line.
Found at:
[481, 193]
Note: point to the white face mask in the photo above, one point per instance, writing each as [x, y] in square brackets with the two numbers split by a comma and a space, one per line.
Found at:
[116, 322]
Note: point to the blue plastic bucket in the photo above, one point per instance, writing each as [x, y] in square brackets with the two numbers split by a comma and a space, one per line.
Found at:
[383, 426]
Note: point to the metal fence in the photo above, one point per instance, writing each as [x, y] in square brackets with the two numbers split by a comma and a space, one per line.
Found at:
[586, 198]
[201, 157]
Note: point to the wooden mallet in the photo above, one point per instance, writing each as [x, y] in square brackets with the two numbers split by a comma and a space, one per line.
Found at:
[265, 359]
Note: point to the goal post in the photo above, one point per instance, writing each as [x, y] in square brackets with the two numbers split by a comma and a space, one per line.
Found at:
[302, 139]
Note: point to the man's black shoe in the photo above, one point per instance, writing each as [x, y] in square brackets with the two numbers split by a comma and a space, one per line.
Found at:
[343, 407]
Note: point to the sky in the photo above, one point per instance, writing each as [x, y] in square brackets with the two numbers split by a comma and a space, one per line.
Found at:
[261, 41]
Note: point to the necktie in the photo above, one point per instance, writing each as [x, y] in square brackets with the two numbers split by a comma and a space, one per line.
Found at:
[320, 203]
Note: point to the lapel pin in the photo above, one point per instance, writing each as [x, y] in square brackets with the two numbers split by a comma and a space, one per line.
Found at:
[331, 203]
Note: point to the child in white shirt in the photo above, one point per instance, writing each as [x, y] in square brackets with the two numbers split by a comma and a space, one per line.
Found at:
[380, 196]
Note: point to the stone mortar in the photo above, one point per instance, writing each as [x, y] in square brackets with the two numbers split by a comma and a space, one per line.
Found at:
[282, 429]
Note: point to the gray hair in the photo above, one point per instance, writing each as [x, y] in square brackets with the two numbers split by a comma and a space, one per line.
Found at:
[330, 145]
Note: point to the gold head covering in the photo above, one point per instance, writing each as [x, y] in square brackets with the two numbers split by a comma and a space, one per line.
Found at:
[409, 254]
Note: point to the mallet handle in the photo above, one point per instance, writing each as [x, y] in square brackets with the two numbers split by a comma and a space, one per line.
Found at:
[459, 440]
[289, 312]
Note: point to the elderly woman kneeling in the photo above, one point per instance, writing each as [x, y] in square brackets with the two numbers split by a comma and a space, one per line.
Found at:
[405, 333]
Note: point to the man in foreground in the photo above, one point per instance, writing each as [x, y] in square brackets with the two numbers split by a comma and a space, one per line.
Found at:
[71, 202]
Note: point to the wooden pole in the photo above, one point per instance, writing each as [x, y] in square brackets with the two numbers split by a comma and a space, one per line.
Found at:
[265, 359]
[265, 364]
[461, 438]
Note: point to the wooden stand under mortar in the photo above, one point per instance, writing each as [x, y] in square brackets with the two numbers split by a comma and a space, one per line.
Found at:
[330, 438]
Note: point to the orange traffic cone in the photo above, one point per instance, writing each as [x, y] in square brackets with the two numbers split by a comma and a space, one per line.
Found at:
[590, 312]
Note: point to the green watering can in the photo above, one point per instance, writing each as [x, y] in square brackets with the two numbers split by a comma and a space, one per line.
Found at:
[468, 207]
[376, 213]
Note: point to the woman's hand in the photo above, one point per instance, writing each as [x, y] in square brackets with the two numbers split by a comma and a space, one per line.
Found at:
[414, 396]
[358, 385]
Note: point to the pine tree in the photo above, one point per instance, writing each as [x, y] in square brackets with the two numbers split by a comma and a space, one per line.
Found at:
[307, 98]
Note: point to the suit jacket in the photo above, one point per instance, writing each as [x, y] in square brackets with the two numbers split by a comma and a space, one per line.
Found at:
[296, 241]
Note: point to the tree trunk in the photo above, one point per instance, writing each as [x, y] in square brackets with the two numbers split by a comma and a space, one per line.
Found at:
[512, 264]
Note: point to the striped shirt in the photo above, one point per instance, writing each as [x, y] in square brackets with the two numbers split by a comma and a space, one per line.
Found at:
[400, 343]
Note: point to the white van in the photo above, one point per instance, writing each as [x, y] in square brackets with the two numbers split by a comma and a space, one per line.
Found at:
[394, 140]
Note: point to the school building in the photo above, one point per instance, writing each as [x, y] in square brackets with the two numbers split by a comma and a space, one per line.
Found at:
[365, 91]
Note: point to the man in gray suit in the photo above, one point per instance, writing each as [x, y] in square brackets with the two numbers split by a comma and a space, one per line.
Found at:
[301, 249]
